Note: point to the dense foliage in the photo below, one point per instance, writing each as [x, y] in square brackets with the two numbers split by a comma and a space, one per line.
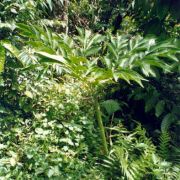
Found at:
[89, 89]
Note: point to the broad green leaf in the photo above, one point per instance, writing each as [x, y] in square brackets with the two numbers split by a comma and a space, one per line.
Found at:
[159, 108]
[147, 70]
[57, 58]
[107, 62]
[26, 30]
[111, 106]
[94, 40]
[130, 75]
[112, 50]
[173, 57]
[7, 45]
[77, 59]
[167, 121]
[92, 51]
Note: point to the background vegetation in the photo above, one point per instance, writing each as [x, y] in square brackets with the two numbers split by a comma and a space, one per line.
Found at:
[89, 89]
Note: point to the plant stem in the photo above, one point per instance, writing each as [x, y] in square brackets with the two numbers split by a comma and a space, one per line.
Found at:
[111, 122]
[65, 17]
[101, 127]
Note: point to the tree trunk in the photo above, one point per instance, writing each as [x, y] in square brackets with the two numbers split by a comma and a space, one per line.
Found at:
[65, 16]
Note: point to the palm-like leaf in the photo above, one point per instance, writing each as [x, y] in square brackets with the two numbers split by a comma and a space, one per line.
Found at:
[143, 53]
[88, 42]
[123, 57]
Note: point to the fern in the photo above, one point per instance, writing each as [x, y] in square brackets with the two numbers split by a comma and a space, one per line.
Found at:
[134, 157]
[167, 121]
[167, 150]
[130, 155]
[164, 145]
[175, 156]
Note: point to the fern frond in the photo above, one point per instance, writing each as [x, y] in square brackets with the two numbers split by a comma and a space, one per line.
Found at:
[174, 156]
[164, 145]
[131, 155]
[167, 121]
[134, 156]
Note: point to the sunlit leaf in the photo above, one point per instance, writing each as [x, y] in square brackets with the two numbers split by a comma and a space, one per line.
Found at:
[2, 58]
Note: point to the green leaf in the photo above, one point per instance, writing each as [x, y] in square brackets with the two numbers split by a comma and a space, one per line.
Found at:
[39, 130]
[53, 171]
[49, 2]
[2, 110]
[7, 45]
[111, 106]
[56, 58]
[147, 70]
[26, 30]
[28, 94]
[92, 51]
[159, 108]
[112, 50]
[173, 57]
[130, 75]
[2, 58]
[167, 121]
[149, 104]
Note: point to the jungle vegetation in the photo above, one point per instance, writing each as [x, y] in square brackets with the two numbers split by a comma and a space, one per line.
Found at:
[89, 89]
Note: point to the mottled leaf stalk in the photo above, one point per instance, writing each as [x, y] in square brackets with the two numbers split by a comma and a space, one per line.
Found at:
[101, 127]
[65, 17]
